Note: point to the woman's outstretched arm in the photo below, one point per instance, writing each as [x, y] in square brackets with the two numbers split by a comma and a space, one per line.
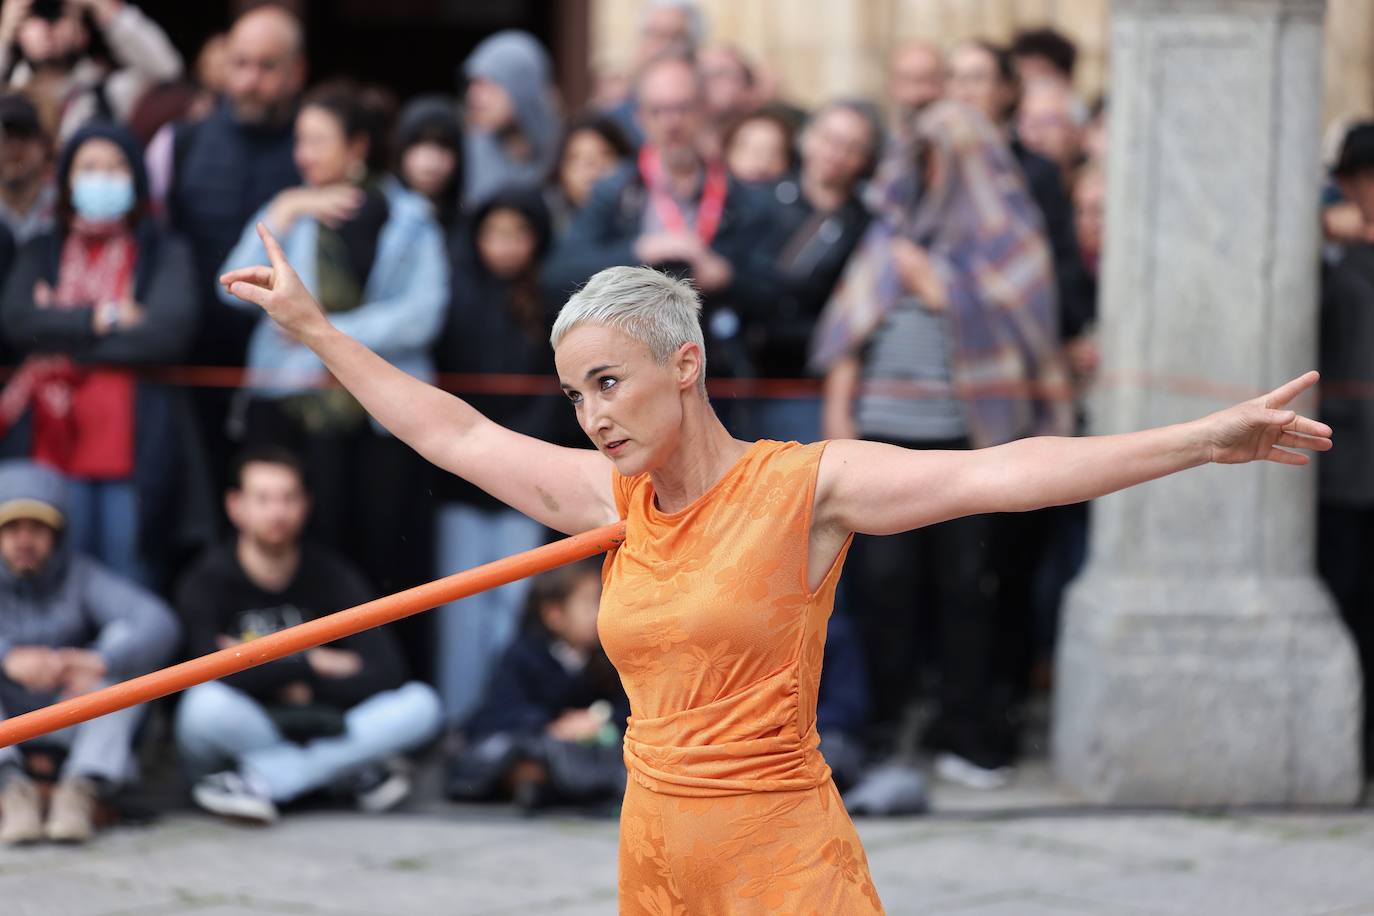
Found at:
[873, 488]
[565, 488]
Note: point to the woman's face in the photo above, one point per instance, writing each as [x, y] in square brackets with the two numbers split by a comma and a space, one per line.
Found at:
[99, 155]
[323, 154]
[836, 147]
[586, 160]
[506, 243]
[427, 168]
[628, 404]
[489, 106]
[573, 620]
[975, 82]
[758, 151]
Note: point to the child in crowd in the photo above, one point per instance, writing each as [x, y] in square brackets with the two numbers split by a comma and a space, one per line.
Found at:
[498, 322]
[550, 726]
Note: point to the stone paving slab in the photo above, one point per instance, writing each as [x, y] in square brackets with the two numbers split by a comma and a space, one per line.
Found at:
[486, 862]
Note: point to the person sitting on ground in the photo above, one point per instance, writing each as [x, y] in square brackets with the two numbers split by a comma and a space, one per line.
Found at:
[333, 715]
[67, 626]
[549, 728]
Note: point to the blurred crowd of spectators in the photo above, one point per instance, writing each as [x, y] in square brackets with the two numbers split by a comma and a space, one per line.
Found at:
[931, 256]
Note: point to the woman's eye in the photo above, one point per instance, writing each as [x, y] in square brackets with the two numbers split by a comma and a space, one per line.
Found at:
[607, 382]
[574, 397]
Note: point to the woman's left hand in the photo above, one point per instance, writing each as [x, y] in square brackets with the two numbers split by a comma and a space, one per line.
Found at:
[1264, 429]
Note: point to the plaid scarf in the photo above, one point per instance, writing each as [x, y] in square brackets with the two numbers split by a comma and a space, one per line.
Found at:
[985, 239]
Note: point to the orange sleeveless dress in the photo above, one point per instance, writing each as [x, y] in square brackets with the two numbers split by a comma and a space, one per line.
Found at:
[706, 613]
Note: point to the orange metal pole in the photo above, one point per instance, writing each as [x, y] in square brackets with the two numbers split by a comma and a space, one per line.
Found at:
[308, 635]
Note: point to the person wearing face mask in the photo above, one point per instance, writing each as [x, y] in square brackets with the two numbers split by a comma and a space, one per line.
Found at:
[45, 48]
[107, 288]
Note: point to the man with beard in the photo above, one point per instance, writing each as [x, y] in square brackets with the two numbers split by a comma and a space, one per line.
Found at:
[678, 211]
[46, 49]
[333, 716]
[67, 626]
[210, 176]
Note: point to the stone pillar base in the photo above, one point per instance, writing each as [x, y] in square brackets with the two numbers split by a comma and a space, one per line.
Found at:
[1196, 692]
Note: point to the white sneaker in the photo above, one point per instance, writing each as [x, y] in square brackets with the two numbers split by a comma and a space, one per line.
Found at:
[964, 772]
[231, 794]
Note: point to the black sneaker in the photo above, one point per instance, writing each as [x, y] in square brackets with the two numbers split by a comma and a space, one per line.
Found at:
[381, 787]
[235, 795]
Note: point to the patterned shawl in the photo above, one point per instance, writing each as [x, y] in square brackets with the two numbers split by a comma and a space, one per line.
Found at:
[986, 240]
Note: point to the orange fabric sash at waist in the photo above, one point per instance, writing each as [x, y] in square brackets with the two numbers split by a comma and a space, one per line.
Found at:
[741, 744]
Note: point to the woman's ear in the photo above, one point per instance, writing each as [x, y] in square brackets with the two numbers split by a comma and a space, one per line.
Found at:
[688, 365]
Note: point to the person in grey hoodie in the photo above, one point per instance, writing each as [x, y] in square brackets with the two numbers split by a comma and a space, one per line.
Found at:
[513, 119]
[67, 626]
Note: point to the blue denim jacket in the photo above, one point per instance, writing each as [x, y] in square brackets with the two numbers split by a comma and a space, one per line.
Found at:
[403, 303]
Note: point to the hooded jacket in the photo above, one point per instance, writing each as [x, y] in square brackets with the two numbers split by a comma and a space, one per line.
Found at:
[74, 602]
[518, 64]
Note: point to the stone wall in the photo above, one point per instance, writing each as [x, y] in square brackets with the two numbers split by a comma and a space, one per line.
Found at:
[820, 48]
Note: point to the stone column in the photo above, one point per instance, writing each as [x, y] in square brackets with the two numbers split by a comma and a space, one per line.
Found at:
[1201, 661]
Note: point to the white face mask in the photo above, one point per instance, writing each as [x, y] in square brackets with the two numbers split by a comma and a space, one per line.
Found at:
[102, 196]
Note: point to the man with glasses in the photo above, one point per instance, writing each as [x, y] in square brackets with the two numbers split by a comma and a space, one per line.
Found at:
[675, 210]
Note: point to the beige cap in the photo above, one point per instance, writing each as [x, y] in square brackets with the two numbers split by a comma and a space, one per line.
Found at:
[35, 509]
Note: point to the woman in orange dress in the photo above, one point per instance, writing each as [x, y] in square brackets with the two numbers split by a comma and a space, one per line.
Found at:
[714, 609]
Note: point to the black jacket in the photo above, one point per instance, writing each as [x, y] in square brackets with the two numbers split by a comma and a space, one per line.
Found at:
[799, 265]
[1346, 473]
[1077, 299]
[530, 689]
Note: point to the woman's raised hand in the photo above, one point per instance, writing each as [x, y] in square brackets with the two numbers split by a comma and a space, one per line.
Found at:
[278, 290]
[1264, 429]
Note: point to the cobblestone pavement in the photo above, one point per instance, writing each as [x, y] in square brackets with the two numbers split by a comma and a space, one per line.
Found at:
[1027, 850]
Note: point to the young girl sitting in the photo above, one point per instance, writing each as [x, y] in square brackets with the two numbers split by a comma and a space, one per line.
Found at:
[549, 727]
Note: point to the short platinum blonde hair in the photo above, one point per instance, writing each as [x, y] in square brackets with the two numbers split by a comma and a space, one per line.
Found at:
[659, 311]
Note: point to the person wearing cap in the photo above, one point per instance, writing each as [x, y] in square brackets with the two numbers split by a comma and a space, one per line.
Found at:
[1345, 532]
[68, 625]
[28, 197]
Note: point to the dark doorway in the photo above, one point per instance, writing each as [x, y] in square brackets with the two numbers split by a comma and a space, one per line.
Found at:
[410, 46]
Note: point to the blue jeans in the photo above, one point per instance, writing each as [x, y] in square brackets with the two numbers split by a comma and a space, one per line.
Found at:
[102, 521]
[219, 727]
[474, 632]
[101, 748]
